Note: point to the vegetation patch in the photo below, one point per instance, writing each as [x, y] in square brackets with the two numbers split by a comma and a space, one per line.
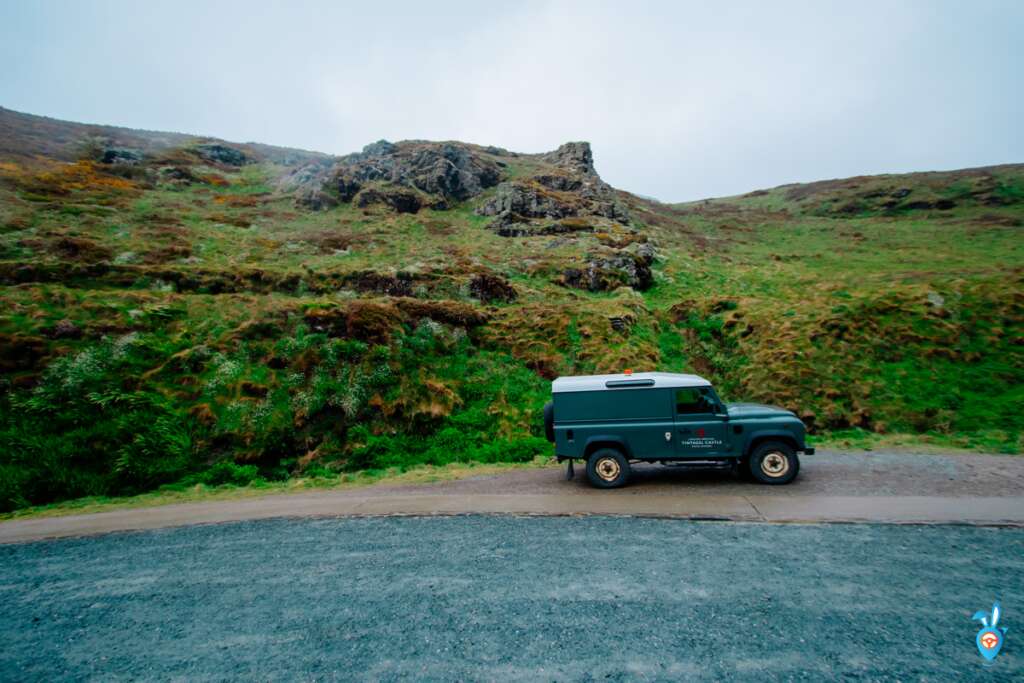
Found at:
[176, 316]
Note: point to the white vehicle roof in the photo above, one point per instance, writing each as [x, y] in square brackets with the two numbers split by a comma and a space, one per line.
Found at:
[661, 380]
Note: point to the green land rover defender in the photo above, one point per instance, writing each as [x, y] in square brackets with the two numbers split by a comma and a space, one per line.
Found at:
[612, 420]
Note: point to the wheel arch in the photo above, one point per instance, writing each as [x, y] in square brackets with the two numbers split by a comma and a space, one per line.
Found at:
[759, 437]
[606, 441]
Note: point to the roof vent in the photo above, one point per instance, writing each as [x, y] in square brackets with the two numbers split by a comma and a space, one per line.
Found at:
[621, 383]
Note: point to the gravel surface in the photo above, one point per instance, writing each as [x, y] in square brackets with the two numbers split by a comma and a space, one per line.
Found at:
[854, 473]
[511, 598]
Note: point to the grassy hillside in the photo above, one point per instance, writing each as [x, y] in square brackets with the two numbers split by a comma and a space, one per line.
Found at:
[190, 311]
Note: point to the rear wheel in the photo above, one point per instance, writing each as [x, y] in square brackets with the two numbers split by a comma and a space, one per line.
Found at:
[607, 468]
[774, 462]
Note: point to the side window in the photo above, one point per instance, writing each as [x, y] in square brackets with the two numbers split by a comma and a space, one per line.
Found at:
[691, 400]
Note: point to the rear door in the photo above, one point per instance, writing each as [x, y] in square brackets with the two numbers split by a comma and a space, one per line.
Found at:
[700, 432]
[645, 421]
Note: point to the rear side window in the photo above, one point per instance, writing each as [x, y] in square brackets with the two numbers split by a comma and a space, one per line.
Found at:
[692, 400]
[613, 404]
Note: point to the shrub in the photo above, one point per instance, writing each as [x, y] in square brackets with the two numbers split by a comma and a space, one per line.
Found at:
[79, 432]
[223, 473]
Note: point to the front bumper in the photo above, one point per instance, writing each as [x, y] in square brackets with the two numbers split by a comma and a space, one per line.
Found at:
[807, 450]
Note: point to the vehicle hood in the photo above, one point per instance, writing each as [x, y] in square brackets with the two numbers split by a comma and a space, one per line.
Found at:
[744, 410]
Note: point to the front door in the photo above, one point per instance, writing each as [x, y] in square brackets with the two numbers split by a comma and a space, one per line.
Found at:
[700, 432]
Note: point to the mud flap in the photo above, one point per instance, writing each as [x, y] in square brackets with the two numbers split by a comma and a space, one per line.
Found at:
[569, 471]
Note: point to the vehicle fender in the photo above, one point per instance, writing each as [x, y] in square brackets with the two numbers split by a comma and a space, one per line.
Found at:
[767, 434]
[598, 440]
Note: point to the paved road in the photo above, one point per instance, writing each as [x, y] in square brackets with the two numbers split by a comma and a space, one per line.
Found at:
[511, 598]
[833, 486]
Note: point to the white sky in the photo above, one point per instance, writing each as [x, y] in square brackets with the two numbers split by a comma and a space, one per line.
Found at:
[680, 100]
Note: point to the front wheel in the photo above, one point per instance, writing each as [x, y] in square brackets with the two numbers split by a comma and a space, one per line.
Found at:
[774, 462]
[607, 468]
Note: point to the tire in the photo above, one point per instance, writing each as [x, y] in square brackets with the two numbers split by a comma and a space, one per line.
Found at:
[774, 463]
[607, 468]
[549, 421]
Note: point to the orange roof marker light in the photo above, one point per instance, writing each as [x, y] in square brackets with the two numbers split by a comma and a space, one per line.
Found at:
[627, 371]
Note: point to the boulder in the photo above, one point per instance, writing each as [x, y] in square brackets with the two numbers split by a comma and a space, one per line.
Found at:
[177, 175]
[220, 154]
[121, 156]
[605, 272]
[489, 288]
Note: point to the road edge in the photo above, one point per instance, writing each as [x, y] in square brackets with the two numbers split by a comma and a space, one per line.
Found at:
[765, 509]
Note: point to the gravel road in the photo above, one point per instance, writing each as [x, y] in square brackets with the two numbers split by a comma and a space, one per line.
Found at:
[829, 472]
[511, 598]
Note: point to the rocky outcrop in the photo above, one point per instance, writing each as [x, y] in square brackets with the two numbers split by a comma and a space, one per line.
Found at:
[220, 154]
[571, 187]
[565, 226]
[608, 271]
[443, 172]
[575, 157]
[121, 156]
[558, 182]
[306, 183]
[410, 175]
[523, 200]
[489, 288]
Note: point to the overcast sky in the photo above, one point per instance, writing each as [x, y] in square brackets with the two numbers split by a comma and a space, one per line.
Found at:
[680, 101]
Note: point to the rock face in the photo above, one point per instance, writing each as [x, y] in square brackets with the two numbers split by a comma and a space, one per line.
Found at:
[306, 183]
[525, 200]
[398, 198]
[575, 157]
[569, 186]
[437, 174]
